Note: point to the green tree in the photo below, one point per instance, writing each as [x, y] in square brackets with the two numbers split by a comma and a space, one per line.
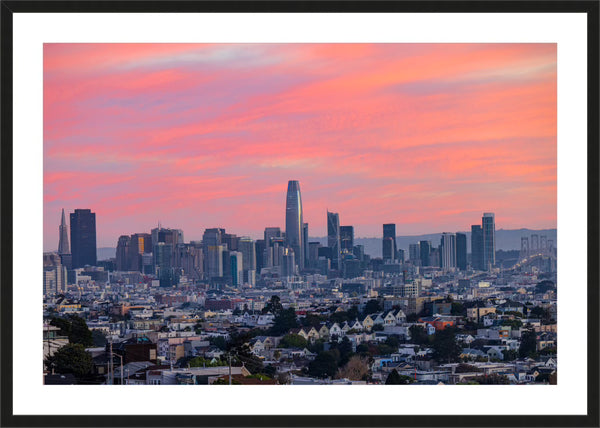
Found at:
[356, 368]
[312, 320]
[218, 341]
[373, 306]
[458, 309]
[528, 345]
[274, 306]
[293, 341]
[353, 313]
[75, 328]
[445, 348]
[394, 378]
[284, 321]
[377, 327]
[418, 335]
[324, 365]
[71, 358]
[98, 338]
[466, 368]
[513, 323]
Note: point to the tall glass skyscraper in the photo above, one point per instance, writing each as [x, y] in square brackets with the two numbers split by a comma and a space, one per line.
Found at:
[489, 240]
[389, 242]
[83, 238]
[477, 247]
[333, 238]
[461, 251]
[293, 222]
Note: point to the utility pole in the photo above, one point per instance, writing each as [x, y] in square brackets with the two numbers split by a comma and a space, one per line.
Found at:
[110, 365]
[229, 368]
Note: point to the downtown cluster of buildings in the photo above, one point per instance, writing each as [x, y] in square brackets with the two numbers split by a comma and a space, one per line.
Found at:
[162, 301]
[224, 259]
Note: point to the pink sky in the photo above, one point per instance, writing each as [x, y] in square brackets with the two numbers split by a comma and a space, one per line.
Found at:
[427, 136]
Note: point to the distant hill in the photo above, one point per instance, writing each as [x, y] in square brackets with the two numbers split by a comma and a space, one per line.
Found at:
[505, 240]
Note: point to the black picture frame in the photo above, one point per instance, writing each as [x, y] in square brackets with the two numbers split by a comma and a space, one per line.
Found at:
[8, 8]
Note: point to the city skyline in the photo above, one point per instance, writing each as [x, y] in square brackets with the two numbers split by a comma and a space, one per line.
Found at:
[359, 126]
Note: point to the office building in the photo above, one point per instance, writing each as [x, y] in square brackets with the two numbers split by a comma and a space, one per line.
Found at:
[347, 239]
[477, 247]
[313, 254]
[305, 243]
[270, 233]
[122, 255]
[236, 264]
[448, 250]
[461, 251]
[414, 253]
[83, 238]
[248, 249]
[294, 225]
[389, 242]
[333, 239]
[426, 248]
[489, 240]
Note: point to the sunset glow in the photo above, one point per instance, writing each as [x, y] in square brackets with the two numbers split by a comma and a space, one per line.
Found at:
[196, 136]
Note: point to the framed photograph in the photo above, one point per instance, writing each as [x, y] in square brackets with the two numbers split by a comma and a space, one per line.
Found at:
[345, 213]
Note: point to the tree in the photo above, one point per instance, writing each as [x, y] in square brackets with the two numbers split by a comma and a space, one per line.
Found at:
[203, 362]
[528, 345]
[510, 355]
[396, 379]
[356, 368]
[513, 323]
[71, 358]
[284, 321]
[458, 309]
[445, 348]
[75, 328]
[274, 306]
[377, 327]
[98, 338]
[218, 341]
[324, 365]
[312, 320]
[293, 341]
[353, 313]
[418, 334]
[243, 355]
[373, 306]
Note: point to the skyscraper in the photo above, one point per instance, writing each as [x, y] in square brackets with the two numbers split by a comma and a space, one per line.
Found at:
[293, 222]
[270, 233]
[426, 248]
[83, 238]
[347, 238]
[63, 237]
[389, 242]
[461, 251]
[333, 239]
[122, 256]
[448, 250]
[305, 243]
[489, 240]
[414, 253]
[477, 247]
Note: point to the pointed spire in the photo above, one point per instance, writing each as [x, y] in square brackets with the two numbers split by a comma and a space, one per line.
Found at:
[63, 236]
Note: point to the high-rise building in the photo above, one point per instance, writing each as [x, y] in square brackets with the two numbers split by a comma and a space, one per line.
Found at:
[489, 240]
[461, 251]
[260, 247]
[55, 274]
[63, 236]
[448, 250]
[230, 240]
[294, 225]
[414, 253]
[426, 248]
[83, 238]
[236, 264]
[313, 254]
[270, 233]
[140, 243]
[347, 239]
[389, 242]
[163, 261]
[214, 261]
[333, 239]
[122, 256]
[477, 247]
[305, 243]
[189, 258]
[400, 255]
[248, 249]
[288, 263]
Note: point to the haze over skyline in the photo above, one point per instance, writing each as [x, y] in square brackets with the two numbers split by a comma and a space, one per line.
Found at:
[200, 136]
